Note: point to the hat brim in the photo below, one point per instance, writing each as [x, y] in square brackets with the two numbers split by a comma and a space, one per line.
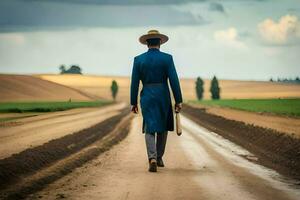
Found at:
[163, 38]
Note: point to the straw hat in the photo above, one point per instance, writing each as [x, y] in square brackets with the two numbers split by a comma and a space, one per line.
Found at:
[153, 34]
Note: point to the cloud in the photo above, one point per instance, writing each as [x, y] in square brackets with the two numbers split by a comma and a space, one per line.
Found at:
[196, 10]
[229, 38]
[284, 32]
[216, 7]
[14, 38]
[244, 34]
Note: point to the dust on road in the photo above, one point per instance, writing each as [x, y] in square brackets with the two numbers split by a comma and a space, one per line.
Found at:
[199, 165]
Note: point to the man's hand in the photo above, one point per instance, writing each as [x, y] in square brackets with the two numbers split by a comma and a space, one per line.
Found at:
[134, 109]
[178, 107]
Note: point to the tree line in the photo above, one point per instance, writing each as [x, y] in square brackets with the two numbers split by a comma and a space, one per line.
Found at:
[214, 88]
[286, 80]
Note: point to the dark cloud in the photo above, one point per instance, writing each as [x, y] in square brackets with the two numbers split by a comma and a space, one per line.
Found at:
[216, 7]
[25, 15]
[122, 2]
[130, 2]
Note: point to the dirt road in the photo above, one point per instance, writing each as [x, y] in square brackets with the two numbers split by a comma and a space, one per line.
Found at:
[37, 130]
[199, 165]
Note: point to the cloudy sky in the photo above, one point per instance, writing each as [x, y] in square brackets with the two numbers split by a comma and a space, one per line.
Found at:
[233, 39]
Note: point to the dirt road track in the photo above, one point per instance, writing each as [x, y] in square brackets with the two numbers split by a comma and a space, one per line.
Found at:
[37, 130]
[273, 149]
[28, 171]
[199, 165]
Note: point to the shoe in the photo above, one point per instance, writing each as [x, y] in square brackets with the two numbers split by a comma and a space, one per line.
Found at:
[152, 165]
[160, 162]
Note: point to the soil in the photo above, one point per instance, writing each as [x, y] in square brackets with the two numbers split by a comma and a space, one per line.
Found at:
[34, 131]
[198, 165]
[273, 149]
[285, 124]
[15, 171]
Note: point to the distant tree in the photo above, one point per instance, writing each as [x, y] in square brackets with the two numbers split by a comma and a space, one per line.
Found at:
[114, 89]
[62, 69]
[289, 80]
[199, 88]
[74, 69]
[271, 79]
[214, 88]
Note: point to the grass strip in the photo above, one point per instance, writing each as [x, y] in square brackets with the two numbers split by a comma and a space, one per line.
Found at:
[23, 107]
[289, 107]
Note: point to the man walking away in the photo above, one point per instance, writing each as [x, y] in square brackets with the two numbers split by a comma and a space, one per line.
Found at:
[154, 68]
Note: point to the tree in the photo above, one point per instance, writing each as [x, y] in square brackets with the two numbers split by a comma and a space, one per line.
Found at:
[62, 69]
[214, 88]
[114, 89]
[74, 69]
[271, 79]
[199, 88]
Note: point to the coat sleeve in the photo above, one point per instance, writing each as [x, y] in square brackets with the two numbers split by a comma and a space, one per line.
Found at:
[174, 81]
[135, 81]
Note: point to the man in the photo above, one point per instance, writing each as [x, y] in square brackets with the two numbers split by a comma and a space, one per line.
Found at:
[154, 68]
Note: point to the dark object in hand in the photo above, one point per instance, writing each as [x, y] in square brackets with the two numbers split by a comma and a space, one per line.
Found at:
[178, 107]
[134, 109]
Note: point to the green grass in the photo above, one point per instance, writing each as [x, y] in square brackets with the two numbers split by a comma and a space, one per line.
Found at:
[22, 107]
[290, 107]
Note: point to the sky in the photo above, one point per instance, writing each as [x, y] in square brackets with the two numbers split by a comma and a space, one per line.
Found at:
[232, 39]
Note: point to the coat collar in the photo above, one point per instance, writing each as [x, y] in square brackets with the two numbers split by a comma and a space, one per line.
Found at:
[153, 49]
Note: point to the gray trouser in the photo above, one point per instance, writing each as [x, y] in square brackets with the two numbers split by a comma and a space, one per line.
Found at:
[156, 149]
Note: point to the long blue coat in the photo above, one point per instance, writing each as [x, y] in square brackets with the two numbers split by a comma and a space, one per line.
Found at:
[154, 68]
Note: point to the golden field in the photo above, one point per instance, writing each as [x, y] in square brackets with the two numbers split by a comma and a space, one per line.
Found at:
[29, 88]
[99, 87]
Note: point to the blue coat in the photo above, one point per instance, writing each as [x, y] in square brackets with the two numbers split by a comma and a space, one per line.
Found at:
[154, 68]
